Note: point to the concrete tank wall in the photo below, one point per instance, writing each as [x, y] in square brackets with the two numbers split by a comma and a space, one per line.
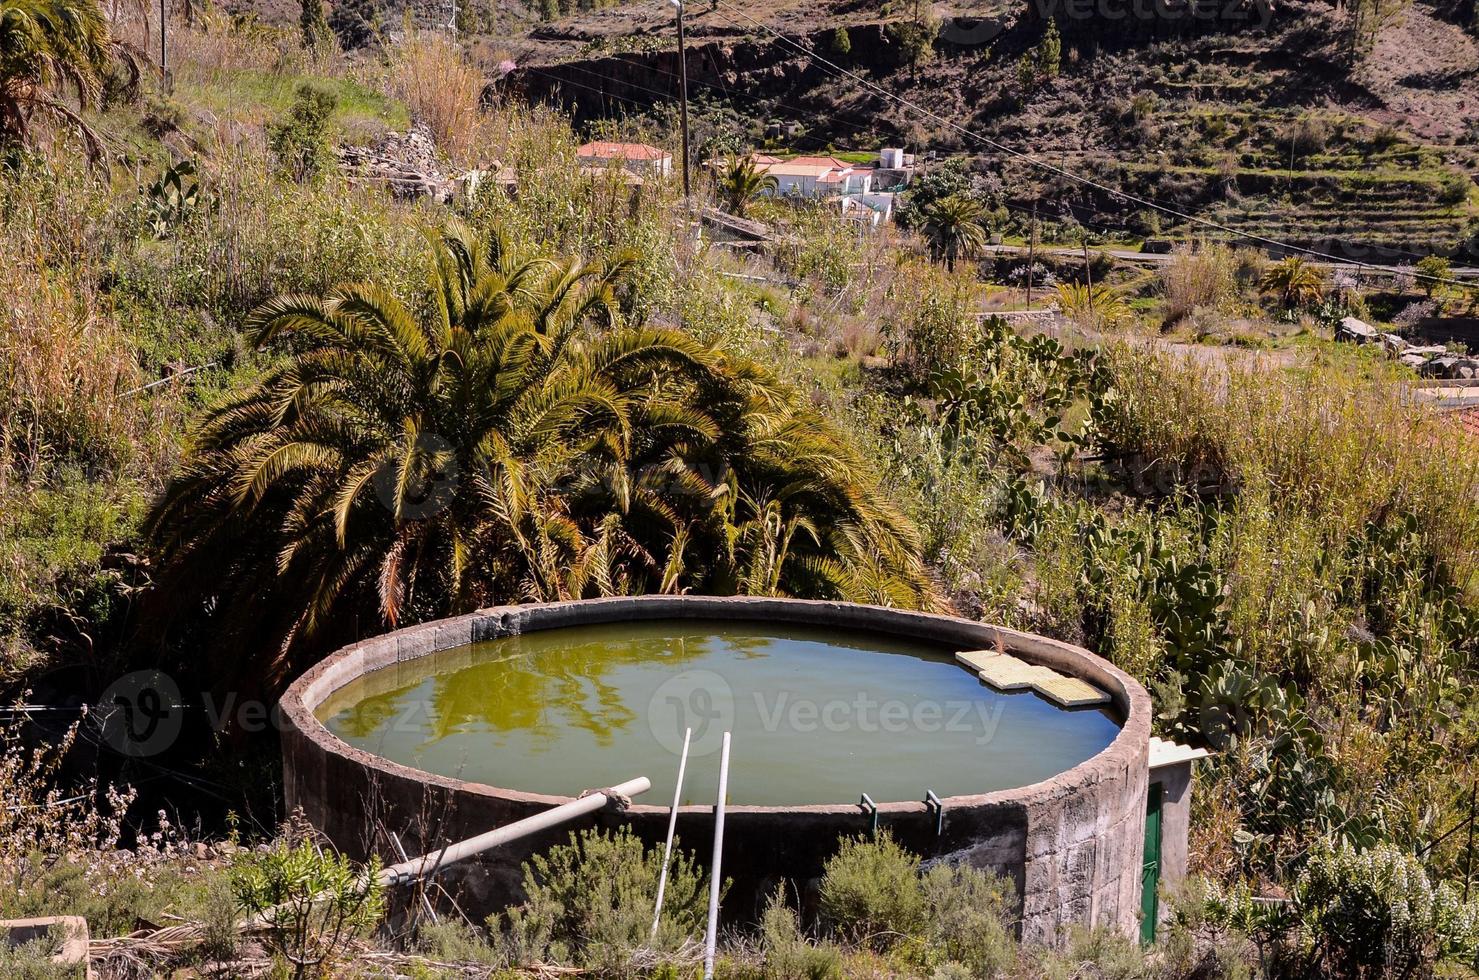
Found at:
[1072, 844]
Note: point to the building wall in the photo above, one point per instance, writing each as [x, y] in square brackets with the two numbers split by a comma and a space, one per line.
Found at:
[1175, 780]
[1071, 844]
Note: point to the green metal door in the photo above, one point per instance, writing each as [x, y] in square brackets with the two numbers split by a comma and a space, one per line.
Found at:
[1150, 873]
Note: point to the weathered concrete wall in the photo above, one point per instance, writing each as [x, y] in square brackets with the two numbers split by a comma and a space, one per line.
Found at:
[1175, 780]
[1072, 843]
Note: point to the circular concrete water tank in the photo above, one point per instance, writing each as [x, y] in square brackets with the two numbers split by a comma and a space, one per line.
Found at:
[1071, 841]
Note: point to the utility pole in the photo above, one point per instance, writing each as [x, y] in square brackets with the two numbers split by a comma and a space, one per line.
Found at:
[163, 46]
[1031, 252]
[683, 95]
[1088, 272]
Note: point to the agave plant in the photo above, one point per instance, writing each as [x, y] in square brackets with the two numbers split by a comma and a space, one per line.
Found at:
[516, 441]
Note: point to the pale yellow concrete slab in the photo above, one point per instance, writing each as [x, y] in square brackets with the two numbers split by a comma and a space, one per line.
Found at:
[977, 659]
[1071, 692]
[1007, 673]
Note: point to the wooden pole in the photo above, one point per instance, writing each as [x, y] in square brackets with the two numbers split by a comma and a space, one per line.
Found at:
[683, 96]
[1031, 252]
[163, 47]
[1088, 273]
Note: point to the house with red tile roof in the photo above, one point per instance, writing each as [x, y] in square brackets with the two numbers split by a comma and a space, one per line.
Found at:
[638, 158]
[818, 176]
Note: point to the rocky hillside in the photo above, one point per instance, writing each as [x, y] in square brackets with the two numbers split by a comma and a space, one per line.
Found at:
[1254, 118]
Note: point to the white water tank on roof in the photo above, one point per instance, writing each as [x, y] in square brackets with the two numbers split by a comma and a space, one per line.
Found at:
[891, 157]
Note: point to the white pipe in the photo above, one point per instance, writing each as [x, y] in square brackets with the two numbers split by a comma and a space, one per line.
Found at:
[667, 852]
[428, 864]
[715, 877]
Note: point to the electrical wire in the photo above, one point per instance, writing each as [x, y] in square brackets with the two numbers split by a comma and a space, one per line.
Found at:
[1113, 192]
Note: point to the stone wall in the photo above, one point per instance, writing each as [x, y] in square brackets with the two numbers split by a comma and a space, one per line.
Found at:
[1072, 844]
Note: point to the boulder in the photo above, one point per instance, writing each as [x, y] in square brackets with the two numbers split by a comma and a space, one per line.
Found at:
[1358, 331]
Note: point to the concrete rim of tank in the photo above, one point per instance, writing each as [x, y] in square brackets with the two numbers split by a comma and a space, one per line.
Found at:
[1129, 698]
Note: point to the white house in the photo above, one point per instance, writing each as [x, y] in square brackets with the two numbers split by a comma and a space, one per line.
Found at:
[872, 209]
[638, 158]
[818, 176]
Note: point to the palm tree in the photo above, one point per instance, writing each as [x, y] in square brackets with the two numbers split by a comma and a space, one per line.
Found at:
[1097, 307]
[1297, 283]
[518, 442]
[741, 182]
[48, 47]
[953, 228]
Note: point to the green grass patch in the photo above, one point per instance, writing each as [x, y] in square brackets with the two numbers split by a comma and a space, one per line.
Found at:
[256, 96]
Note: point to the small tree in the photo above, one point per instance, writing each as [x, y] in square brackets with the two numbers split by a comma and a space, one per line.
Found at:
[841, 41]
[1049, 58]
[741, 182]
[315, 25]
[1365, 20]
[1296, 283]
[953, 227]
[301, 141]
[1431, 269]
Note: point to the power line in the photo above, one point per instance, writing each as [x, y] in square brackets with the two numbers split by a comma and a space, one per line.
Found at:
[1070, 175]
[768, 103]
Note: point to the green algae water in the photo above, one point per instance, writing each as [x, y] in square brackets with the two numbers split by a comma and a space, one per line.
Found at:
[819, 715]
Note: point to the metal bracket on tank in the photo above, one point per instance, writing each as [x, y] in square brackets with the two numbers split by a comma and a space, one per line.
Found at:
[871, 809]
[933, 805]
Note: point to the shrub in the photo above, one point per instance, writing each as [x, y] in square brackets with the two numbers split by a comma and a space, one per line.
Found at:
[1049, 54]
[313, 901]
[841, 41]
[311, 20]
[968, 914]
[1097, 307]
[357, 23]
[928, 324]
[1308, 135]
[871, 893]
[788, 955]
[589, 903]
[1455, 189]
[1204, 276]
[1432, 267]
[301, 141]
[1351, 913]
[429, 72]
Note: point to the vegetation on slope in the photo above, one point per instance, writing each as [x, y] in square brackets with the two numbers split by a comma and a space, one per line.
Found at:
[566, 395]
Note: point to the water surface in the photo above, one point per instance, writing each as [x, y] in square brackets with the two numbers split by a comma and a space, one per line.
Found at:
[819, 715]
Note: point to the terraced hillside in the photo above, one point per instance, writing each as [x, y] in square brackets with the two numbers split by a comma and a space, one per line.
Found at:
[1267, 130]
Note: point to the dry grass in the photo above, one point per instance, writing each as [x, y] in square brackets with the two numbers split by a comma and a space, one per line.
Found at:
[1205, 276]
[430, 73]
[1324, 444]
